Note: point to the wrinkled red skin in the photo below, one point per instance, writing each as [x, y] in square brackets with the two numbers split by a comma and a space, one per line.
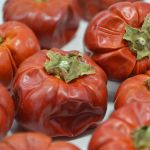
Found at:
[115, 133]
[104, 38]
[49, 105]
[19, 43]
[33, 141]
[132, 89]
[6, 111]
[89, 8]
[54, 22]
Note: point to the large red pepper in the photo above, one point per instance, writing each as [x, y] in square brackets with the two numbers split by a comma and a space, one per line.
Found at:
[60, 93]
[119, 39]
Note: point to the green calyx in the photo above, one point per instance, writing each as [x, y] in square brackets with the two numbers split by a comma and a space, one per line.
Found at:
[39, 1]
[141, 138]
[139, 39]
[67, 67]
[147, 82]
[1, 40]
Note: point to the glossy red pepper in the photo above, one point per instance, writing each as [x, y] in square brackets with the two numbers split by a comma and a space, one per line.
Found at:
[53, 21]
[118, 38]
[33, 141]
[89, 8]
[48, 104]
[17, 42]
[136, 88]
[6, 111]
[128, 128]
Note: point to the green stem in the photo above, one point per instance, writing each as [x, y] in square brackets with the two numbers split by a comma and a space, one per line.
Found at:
[67, 67]
[39, 1]
[139, 39]
[141, 138]
[1, 40]
[147, 82]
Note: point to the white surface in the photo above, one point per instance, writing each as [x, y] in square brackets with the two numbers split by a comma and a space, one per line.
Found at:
[77, 44]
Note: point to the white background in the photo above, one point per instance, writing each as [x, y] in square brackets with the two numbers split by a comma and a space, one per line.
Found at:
[77, 44]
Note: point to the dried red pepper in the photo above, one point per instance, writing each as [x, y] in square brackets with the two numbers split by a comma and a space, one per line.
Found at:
[119, 39]
[60, 93]
[17, 42]
[54, 22]
[33, 141]
[89, 8]
[128, 128]
[136, 88]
